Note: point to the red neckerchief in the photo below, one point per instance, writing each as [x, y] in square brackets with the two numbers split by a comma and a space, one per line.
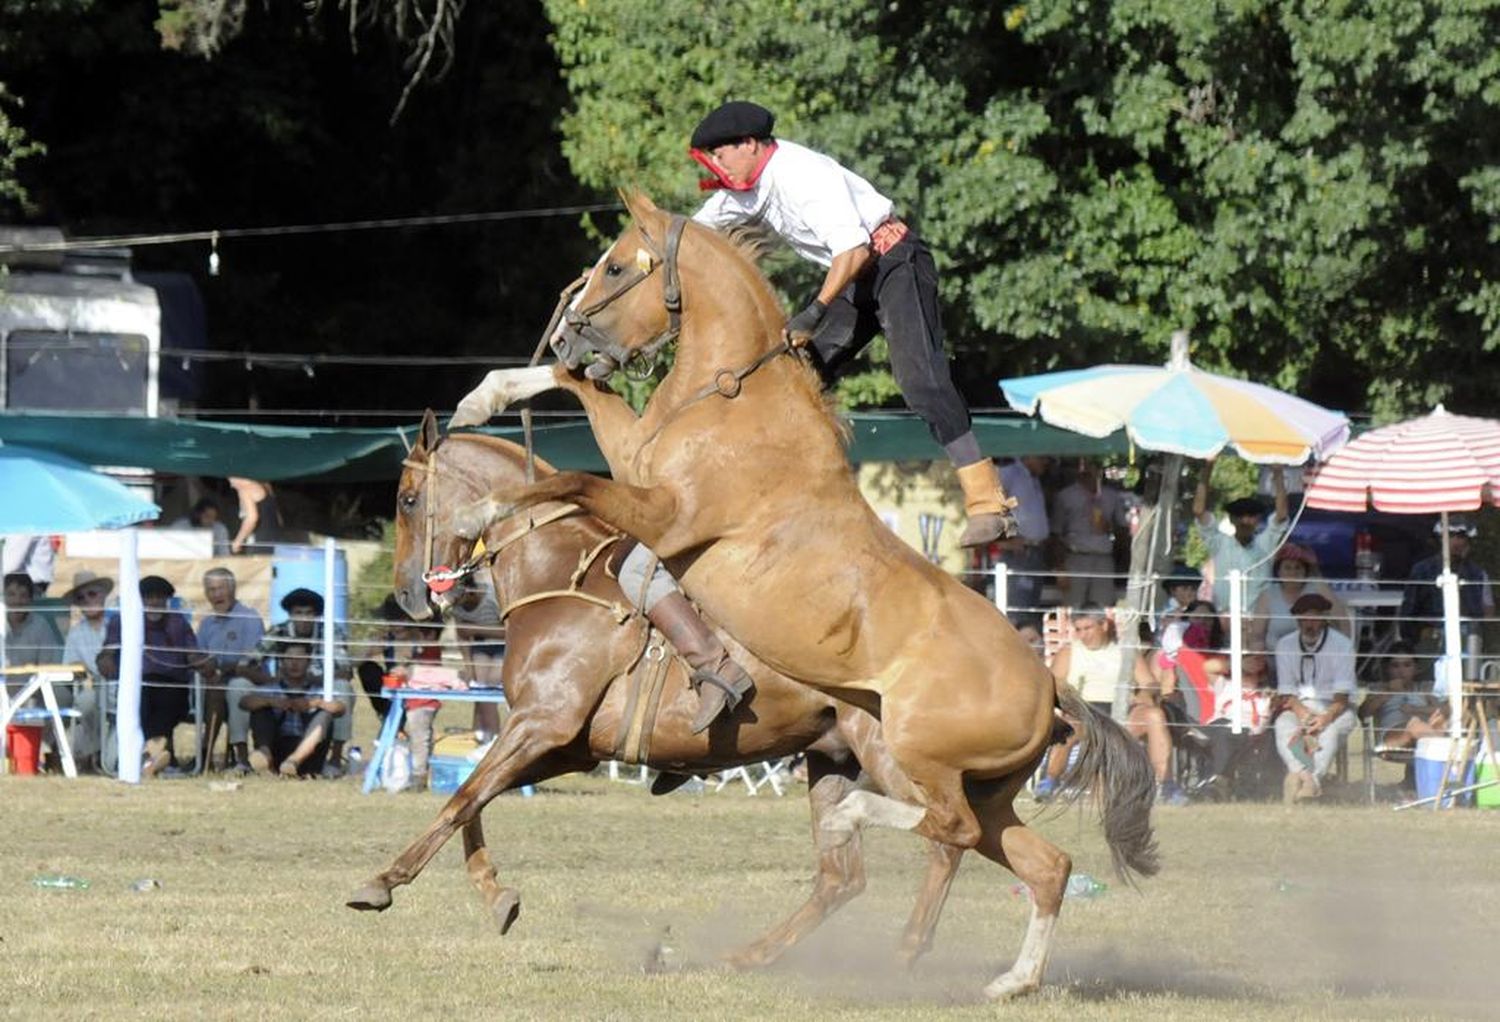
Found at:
[719, 180]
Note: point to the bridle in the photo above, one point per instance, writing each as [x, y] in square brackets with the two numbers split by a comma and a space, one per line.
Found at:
[441, 578]
[578, 324]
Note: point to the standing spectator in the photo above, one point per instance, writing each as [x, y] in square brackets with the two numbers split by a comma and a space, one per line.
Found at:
[1025, 553]
[29, 637]
[260, 518]
[304, 624]
[1315, 677]
[1422, 605]
[415, 645]
[1085, 515]
[32, 556]
[205, 515]
[227, 633]
[85, 640]
[291, 722]
[1296, 570]
[167, 663]
[1249, 549]
[481, 638]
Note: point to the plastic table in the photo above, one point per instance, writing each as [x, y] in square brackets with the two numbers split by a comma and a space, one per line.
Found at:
[398, 696]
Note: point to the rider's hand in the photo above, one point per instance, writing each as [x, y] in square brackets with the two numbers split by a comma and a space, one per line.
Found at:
[800, 328]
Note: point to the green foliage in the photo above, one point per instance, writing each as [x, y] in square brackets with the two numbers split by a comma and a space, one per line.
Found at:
[1312, 189]
[15, 146]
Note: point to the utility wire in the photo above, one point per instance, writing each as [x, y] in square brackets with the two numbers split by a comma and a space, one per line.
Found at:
[143, 240]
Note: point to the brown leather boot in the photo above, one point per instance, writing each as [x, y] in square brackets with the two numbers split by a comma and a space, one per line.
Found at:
[986, 506]
[721, 683]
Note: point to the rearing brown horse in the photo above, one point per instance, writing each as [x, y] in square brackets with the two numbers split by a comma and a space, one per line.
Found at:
[736, 476]
[571, 644]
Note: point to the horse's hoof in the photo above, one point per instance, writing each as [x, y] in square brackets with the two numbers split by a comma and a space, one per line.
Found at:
[506, 909]
[747, 958]
[909, 956]
[1008, 988]
[370, 898]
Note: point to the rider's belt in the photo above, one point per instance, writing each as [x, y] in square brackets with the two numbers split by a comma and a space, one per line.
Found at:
[888, 235]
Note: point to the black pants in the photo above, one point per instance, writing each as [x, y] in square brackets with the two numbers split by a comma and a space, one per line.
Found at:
[372, 679]
[165, 703]
[899, 298]
[265, 733]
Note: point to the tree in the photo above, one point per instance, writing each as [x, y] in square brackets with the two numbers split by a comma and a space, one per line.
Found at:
[1311, 189]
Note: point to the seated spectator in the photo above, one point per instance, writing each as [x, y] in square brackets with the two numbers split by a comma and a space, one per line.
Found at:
[1225, 748]
[291, 722]
[481, 638]
[205, 515]
[1315, 678]
[29, 637]
[1296, 572]
[168, 660]
[1182, 591]
[1033, 636]
[1403, 712]
[85, 640]
[1091, 664]
[304, 625]
[228, 633]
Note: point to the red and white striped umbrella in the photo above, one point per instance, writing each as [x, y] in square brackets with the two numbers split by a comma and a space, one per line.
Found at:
[1437, 463]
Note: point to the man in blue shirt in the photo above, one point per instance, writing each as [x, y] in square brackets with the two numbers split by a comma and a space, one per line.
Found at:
[228, 632]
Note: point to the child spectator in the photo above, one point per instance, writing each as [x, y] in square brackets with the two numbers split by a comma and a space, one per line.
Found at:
[292, 724]
[481, 638]
[416, 645]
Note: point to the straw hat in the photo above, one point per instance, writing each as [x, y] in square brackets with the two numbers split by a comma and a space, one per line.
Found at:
[88, 578]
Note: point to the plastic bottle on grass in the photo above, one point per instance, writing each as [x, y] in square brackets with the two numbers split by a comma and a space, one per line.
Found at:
[1081, 885]
[58, 881]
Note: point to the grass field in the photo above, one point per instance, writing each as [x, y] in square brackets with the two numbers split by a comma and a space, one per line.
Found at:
[1260, 912]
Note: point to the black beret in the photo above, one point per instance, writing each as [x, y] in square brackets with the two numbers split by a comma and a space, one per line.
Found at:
[155, 585]
[302, 598]
[731, 122]
[1311, 603]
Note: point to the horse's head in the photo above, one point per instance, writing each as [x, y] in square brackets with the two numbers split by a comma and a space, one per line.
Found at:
[426, 543]
[629, 307]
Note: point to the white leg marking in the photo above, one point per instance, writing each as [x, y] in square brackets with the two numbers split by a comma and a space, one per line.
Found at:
[865, 808]
[501, 389]
[1026, 975]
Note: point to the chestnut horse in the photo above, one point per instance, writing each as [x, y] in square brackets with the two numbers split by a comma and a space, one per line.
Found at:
[571, 638]
[736, 476]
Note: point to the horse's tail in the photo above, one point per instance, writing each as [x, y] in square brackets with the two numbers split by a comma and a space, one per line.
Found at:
[1114, 766]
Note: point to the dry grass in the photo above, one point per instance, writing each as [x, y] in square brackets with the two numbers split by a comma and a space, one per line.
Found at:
[1386, 915]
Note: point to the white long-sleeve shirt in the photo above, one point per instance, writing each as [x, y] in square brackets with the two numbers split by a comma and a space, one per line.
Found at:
[819, 208]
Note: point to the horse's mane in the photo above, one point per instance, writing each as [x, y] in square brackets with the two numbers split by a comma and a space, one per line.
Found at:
[746, 244]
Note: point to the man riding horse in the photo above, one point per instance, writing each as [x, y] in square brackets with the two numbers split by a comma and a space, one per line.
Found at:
[880, 277]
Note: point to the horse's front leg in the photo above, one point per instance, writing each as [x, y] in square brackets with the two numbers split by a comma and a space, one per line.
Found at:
[500, 389]
[645, 512]
[516, 759]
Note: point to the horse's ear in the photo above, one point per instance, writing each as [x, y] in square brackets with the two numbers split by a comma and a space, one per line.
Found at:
[642, 210]
[429, 437]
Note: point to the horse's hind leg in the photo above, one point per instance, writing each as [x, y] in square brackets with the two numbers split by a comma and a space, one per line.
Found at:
[942, 867]
[841, 877]
[1042, 867]
[504, 902]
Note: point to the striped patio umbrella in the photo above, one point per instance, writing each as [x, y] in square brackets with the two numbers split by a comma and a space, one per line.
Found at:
[1437, 464]
[1179, 409]
[1432, 465]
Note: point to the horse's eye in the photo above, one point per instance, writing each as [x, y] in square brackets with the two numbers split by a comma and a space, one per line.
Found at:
[408, 501]
[613, 270]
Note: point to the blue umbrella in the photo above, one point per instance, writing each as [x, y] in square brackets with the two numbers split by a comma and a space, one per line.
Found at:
[47, 493]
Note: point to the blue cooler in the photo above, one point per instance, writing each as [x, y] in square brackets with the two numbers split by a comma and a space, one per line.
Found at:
[1431, 760]
[446, 773]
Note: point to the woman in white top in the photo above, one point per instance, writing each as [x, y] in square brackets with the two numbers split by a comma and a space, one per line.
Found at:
[1296, 570]
[1091, 665]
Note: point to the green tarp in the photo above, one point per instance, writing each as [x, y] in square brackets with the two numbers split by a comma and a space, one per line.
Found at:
[320, 454]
